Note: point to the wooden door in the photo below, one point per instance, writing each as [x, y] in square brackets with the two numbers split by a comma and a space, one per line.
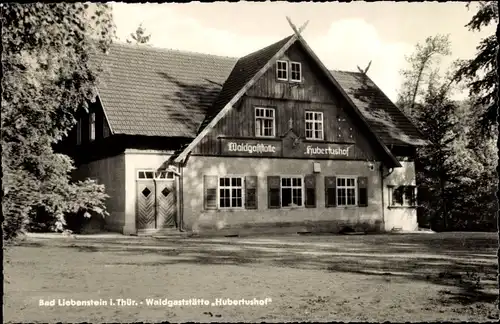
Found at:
[146, 194]
[166, 204]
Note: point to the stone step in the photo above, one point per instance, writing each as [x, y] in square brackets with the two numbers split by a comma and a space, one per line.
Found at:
[251, 231]
[169, 233]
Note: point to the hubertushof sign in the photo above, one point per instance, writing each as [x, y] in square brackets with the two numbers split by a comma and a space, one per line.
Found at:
[310, 150]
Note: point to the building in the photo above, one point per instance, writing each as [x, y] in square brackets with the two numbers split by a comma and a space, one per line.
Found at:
[272, 141]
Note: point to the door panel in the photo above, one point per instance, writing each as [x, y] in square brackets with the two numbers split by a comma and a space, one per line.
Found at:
[146, 205]
[166, 201]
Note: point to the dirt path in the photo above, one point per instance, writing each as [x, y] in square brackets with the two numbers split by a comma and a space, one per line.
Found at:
[314, 278]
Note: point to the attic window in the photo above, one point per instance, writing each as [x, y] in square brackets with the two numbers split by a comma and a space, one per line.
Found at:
[295, 72]
[282, 70]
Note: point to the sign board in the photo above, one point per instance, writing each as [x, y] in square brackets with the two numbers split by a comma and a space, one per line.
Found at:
[287, 148]
[328, 151]
[250, 147]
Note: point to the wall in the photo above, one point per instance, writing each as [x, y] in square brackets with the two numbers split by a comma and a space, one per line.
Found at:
[319, 218]
[404, 218]
[111, 173]
[134, 160]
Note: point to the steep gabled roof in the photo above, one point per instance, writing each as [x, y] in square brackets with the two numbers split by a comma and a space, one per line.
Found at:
[158, 92]
[244, 70]
[241, 72]
[244, 75]
[385, 118]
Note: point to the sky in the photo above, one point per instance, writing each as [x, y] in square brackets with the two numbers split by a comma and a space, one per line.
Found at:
[343, 35]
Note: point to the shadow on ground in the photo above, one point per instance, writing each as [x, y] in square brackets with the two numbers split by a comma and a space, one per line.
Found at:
[464, 264]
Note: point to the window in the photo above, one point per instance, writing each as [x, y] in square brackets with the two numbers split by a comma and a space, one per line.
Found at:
[164, 175]
[79, 131]
[314, 125]
[230, 192]
[346, 191]
[92, 126]
[291, 192]
[264, 122]
[403, 196]
[295, 72]
[282, 70]
[145, 174]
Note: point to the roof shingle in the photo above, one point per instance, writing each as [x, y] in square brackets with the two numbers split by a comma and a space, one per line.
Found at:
[384, 117]
[158, 92]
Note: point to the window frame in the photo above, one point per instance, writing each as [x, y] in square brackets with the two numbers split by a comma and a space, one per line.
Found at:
[265, 118]
[313, 122]
[138, 172]
[278, 70]
[291, 71]
[302, 190]
[169, 175]
[404, 200]
[231, 176]
[92, 124]
[338, 187]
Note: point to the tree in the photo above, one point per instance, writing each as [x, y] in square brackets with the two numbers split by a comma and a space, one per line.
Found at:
[140, 36]
[479, 73]
[420, 71]
[50, 70]
[434, 117]
[457, 167]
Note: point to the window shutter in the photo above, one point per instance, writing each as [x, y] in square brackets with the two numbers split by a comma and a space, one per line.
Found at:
[330, 191]
[362, 191]
[210, 191]
[273, 192]
[251, 192]
[310, 186]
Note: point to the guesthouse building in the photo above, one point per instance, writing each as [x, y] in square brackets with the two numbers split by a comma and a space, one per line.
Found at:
[269, 142]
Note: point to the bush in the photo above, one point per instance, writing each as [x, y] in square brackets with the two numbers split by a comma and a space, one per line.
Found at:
[12, 225]
[84, 222]
[40, 221]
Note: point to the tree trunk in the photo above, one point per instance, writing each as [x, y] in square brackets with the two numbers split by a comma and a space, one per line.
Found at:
[442, 182]
[417, 84]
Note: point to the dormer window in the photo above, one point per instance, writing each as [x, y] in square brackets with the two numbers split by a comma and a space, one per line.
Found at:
[295, 72]
[282, 70]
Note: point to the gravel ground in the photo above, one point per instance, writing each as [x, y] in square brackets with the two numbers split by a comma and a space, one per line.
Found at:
[406, 277]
